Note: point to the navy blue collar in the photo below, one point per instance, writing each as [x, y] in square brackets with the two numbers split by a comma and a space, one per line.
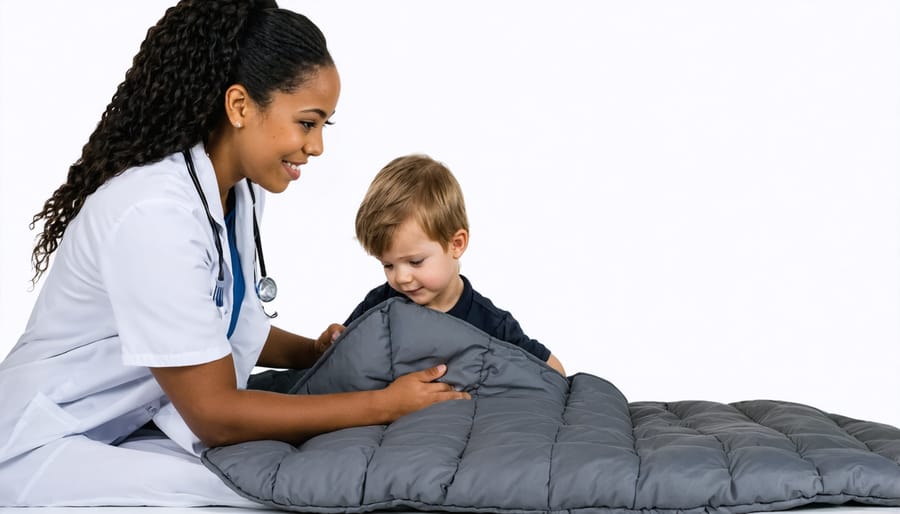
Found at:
[461, 309]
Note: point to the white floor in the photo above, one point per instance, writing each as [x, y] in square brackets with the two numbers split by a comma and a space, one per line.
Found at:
[131, 510]
[136, 510]
[228, 510]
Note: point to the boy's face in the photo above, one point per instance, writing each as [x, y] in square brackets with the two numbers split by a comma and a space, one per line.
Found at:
[421, 269]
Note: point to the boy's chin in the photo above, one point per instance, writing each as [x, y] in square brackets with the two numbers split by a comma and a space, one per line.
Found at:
[424, 302]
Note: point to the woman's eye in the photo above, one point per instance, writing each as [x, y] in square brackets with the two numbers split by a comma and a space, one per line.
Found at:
[308, 125]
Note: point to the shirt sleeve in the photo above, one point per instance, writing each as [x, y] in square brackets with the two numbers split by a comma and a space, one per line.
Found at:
[159, 273]
[373, 298]
[510, 331]
[357, 312]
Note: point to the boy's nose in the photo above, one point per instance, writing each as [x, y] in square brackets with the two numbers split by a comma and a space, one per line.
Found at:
[403, 276]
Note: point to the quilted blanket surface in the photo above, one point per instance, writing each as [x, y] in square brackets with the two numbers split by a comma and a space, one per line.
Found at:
[531, 440]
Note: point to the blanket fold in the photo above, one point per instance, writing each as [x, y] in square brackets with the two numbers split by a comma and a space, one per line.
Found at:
[531, 440]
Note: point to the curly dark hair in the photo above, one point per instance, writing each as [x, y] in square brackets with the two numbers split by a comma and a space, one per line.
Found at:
[173, 94]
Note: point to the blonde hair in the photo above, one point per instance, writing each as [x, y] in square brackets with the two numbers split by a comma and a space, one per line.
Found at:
[413, 185]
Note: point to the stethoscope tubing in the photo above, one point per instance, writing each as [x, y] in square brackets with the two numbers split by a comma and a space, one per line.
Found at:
[266, 288]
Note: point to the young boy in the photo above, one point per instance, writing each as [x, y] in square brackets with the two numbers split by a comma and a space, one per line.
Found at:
[413, 220]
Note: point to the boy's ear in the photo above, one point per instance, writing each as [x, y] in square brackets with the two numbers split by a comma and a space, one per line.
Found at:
[459, 242]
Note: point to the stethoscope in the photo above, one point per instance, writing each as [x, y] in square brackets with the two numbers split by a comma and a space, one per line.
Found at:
[266, 289]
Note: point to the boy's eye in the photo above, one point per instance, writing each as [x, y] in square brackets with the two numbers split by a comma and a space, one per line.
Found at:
[417, 262]
[388, 266]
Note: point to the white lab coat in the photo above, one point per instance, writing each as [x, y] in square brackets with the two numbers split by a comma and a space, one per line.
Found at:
[130, 288]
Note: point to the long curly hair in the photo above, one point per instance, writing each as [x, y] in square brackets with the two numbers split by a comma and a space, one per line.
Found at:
[172, 97]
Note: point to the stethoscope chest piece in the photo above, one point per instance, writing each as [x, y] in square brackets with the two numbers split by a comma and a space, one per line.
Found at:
[266, 289]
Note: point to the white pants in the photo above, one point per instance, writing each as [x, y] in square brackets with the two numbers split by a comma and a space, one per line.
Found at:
[79, 472]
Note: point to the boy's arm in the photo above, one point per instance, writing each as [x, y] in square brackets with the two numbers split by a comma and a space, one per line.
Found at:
[510, 331]
[357, 312]
[554, 363]
[373, 298]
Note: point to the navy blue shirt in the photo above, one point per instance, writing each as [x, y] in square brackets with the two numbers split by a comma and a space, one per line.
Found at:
[472, 308]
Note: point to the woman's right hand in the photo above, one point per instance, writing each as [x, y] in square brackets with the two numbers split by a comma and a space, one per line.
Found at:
[417, 390]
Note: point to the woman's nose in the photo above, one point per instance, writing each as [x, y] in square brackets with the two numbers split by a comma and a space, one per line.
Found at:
[314, 145]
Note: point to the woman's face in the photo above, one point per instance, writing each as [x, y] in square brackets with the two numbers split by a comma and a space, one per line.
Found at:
[273, 143]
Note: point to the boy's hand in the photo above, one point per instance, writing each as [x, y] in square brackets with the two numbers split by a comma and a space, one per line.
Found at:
[327, 338]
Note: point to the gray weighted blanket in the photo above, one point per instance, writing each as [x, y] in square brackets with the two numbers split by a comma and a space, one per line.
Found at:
[533, 441]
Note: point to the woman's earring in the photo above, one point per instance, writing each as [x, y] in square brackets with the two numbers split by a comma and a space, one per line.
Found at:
[238, 125]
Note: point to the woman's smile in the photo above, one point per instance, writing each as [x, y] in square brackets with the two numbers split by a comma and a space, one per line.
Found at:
[293, 169]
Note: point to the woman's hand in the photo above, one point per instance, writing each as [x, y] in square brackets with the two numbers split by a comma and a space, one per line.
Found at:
[417, 390]
[328, 337]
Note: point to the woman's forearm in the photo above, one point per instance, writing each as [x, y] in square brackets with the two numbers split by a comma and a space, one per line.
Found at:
[207, 397]
[248, 415]
[284, 349]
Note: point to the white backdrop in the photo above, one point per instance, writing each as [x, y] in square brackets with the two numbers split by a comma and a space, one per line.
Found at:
[693, 199]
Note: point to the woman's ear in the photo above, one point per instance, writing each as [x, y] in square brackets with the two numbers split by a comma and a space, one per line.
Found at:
[237, 104]
[459, 242]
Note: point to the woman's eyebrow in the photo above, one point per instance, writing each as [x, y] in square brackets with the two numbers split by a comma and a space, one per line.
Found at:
[320, 112]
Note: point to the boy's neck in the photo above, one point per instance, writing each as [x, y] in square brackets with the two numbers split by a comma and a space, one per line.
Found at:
[454, 293]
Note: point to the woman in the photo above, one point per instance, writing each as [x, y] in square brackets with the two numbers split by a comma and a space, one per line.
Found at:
[151, 312]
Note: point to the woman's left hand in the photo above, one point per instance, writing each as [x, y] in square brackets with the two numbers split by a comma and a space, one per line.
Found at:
[284, 349]
[328, 337]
